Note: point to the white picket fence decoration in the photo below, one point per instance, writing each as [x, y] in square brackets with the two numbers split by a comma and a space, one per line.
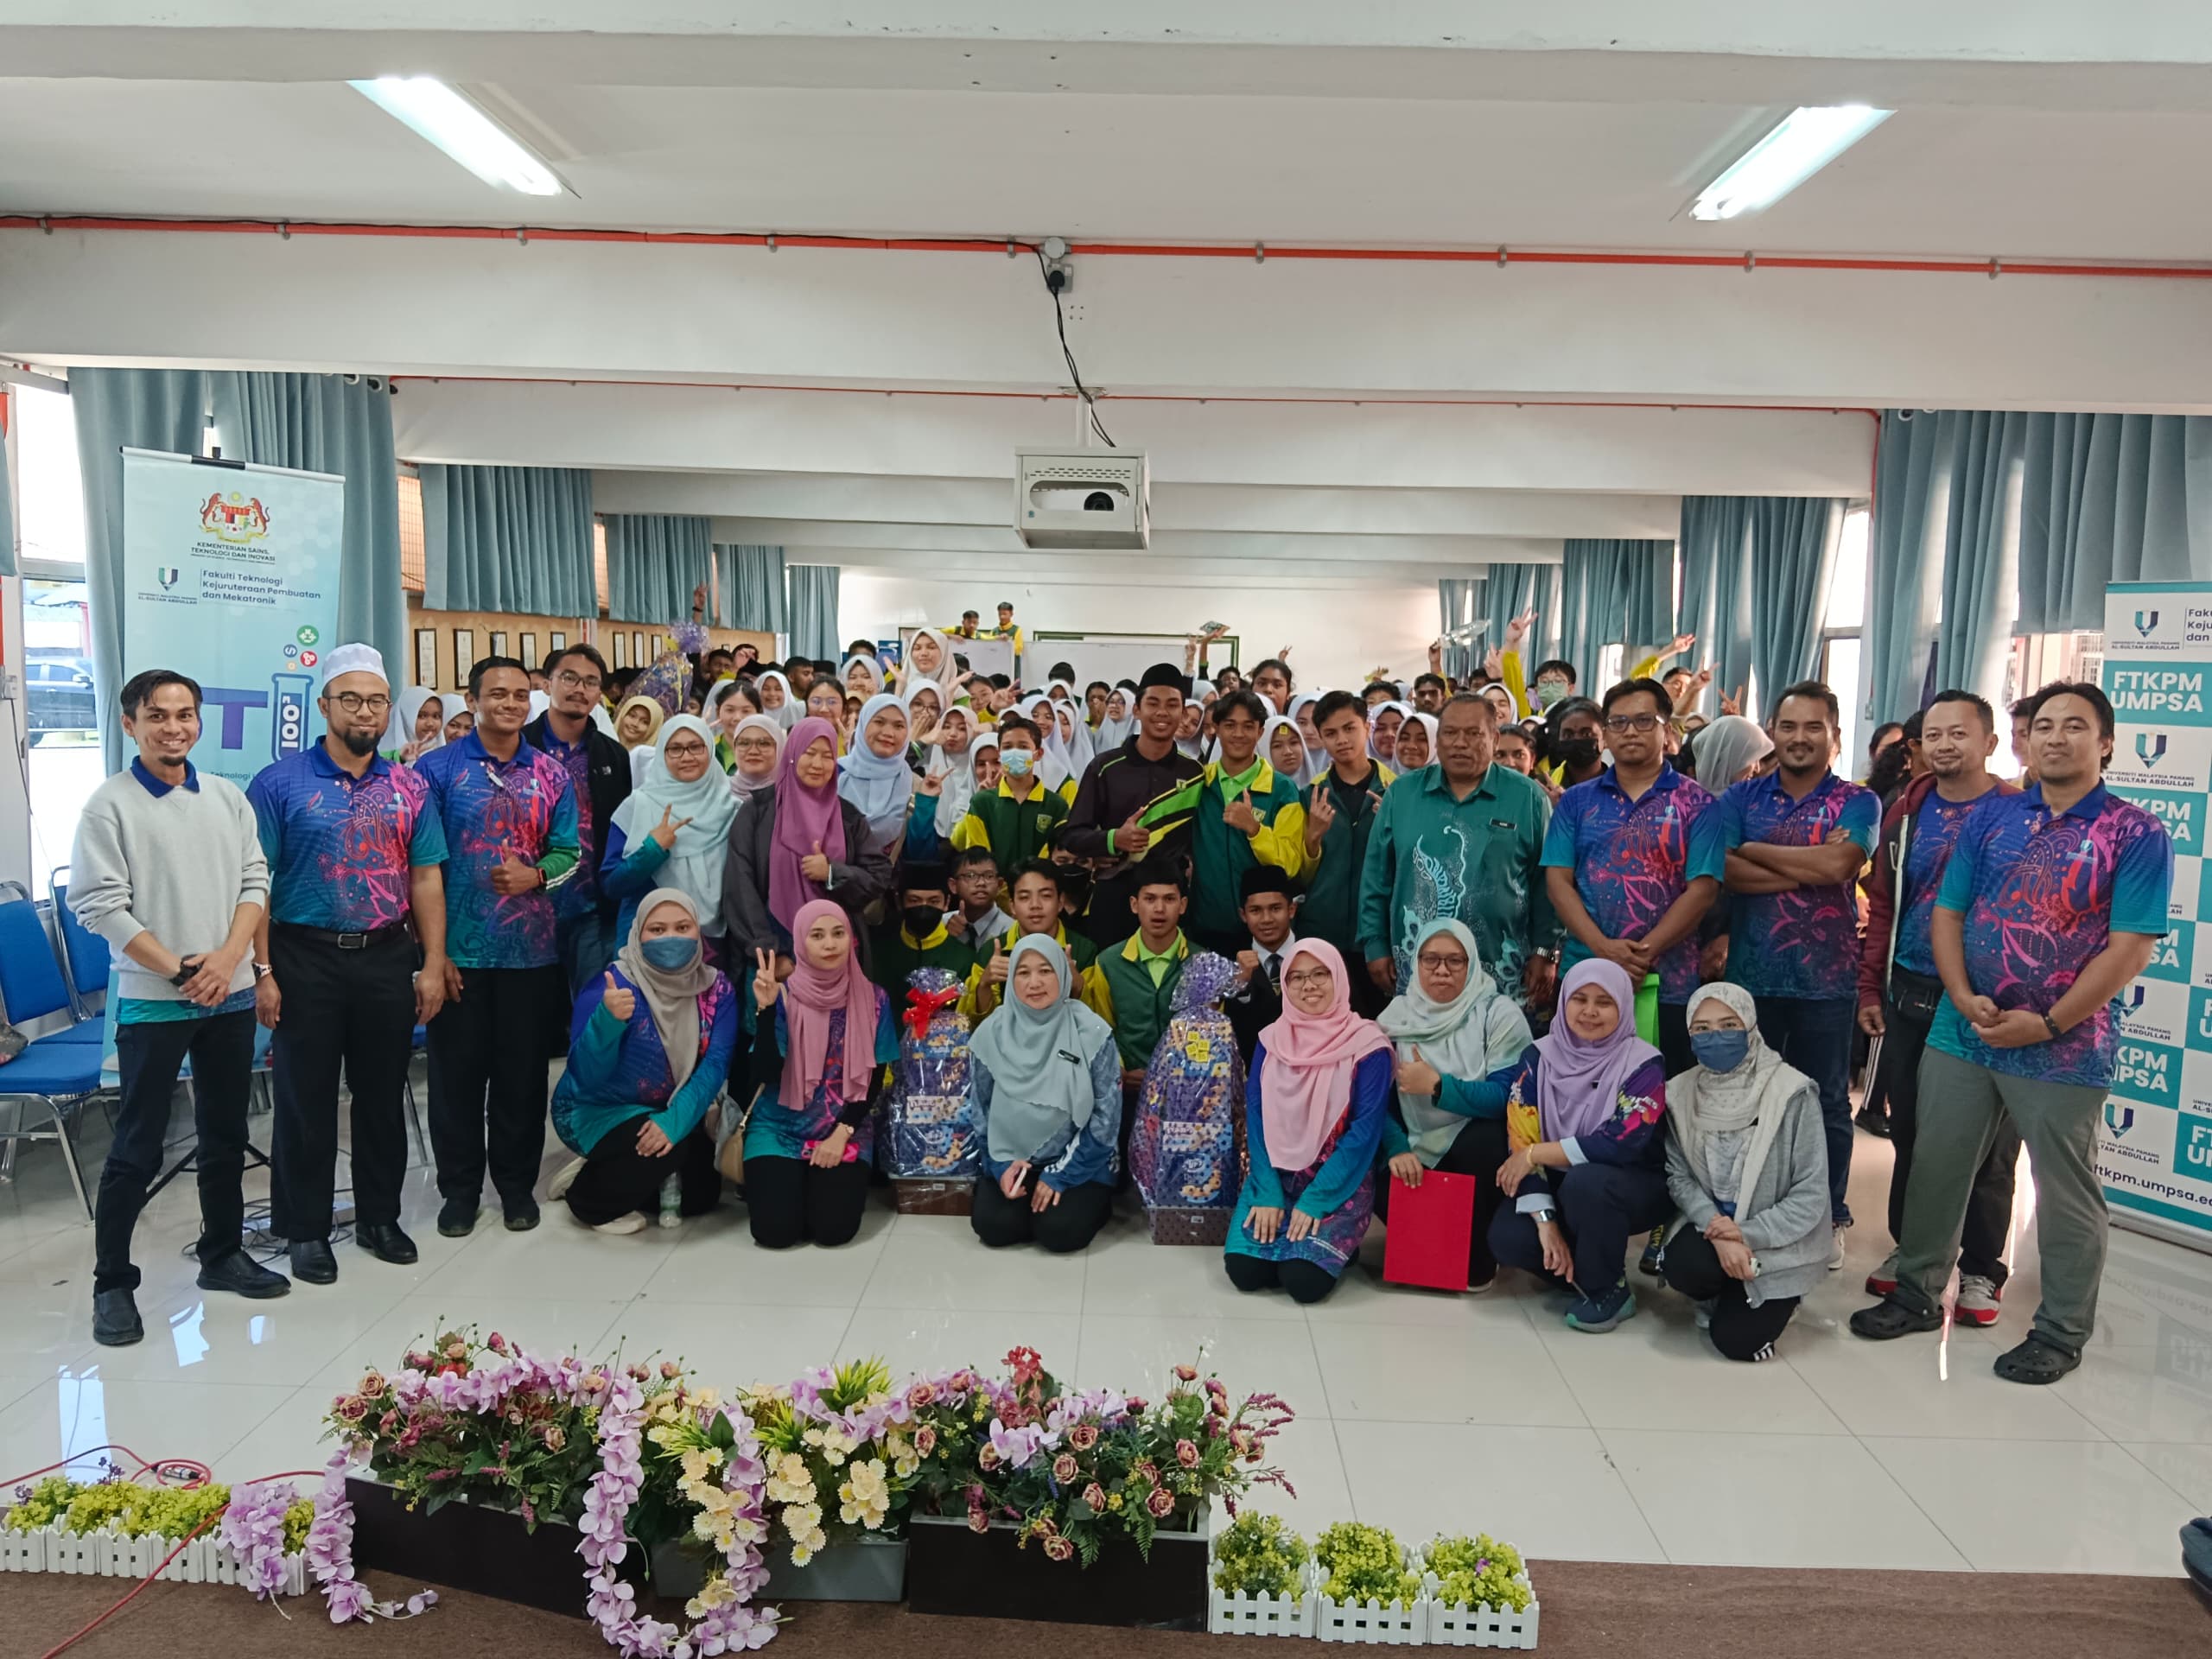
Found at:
[105, 1555]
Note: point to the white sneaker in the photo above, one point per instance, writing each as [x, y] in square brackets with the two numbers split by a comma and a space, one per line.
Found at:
[563, 1178]
[632, 1223]
[1977, 1300]
[1704, 1315]
[1835, 1253]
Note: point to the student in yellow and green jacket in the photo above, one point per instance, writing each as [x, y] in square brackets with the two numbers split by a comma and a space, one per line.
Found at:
[1132, 984]
[1035, 902]
[1243, 812]
[1021, 819]
[1341, 808]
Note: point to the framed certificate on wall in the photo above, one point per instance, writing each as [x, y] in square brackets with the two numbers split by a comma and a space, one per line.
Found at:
[530, 658]
[426, 658]
[620, 641]
[560, 640]
[638, 648]
[498, 643]
[464, 655]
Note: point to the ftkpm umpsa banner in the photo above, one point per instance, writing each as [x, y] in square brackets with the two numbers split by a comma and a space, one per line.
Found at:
[2154, 1147]
[231, 576]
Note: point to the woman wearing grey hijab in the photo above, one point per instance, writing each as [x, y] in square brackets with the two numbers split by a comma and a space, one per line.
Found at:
[1728, 751]
[1045, 1092]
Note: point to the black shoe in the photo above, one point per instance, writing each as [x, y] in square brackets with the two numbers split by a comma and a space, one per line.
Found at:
[1875, 1124]
[383, 1240]
[312, 1262]
[522, 1217]
[115, 1320]
[242, 1275]
[1891, 1318]
[2037, 1360]
[457, 1219]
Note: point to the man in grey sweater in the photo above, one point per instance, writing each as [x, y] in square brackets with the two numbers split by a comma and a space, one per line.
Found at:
[168, 868]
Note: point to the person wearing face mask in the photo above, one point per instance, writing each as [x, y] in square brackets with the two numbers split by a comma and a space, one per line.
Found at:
[673, 830]
[1556, 681]
[1045, 1094]
[822, 1039]
[1747, 1168]
[1570, 745]
[1019, 819]
[649, 1048]
[918, 937]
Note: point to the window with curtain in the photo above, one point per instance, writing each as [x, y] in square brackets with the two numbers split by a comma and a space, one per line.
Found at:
[410, 530]
[1842, 642]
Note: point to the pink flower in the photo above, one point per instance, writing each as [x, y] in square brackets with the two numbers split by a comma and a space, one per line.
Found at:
[1161, 1503]
[556, 1437]
[1186, 1455]
[671, 1370]
[352, 1408]
[1057, 1549]
[921, 1394]
[1084, 1436]
[373, 1385]
[1149, 1470]
[1094, 1496]
[1187, 1373]
[925, 1440]
[978, 1522]
[1064, 1468]
[496, 1343]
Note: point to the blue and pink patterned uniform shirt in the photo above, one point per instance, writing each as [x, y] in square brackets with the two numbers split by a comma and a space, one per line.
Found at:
[1633, 859]
[488, 806]
[1934, 833]
[341, 850]
[579, 895]
[1805, 942]
[2040, 896]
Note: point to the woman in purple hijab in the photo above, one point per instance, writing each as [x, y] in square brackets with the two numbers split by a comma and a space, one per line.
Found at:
[1588, 1166]
[796, 842]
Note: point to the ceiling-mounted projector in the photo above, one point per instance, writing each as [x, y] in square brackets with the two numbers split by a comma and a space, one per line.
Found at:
[1087, 499]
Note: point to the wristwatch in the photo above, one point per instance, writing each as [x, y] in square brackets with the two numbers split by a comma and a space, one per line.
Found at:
[185, 968]
[2051, 1026]
[1542, 1217]
[261, 971]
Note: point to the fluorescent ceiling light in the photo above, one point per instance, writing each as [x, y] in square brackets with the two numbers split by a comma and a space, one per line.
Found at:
[462, 130]
[1805, 142]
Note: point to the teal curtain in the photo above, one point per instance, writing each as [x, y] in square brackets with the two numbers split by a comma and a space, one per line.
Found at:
[1945, 553]
[1614, 592]
[324, 423]
[813, 611]
[508, 539]
[654, 560]
[1716, 542]
[7, 515]
[2107, 498]
[118, 410]
[1456, 603]
[1793, 544]
[751, 582]
[1513, 588]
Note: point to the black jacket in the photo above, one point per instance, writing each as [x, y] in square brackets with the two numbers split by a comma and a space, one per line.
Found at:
[608, 764]
[745, 921]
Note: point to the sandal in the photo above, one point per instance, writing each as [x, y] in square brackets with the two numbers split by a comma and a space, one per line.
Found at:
[2037, 1360]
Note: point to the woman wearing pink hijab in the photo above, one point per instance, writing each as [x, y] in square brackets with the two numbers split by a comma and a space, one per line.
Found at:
[1588, 1167]
[1314, 1102]
[821, 1040]
[796, 841]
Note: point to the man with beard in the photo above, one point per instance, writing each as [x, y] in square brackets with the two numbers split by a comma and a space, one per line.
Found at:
[1796, 840]
[599, 774]
[1899, 989]
[354, 854]
[1136, 804]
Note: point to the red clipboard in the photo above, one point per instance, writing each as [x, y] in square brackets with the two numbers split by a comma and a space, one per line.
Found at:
[1430, 1228]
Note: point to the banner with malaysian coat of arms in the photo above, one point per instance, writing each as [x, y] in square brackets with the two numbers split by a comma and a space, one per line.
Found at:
[231, 576]
[2154, 1147]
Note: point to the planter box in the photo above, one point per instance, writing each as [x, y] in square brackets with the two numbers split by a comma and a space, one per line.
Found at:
[22, 1551]
[987, 1575]
[863, 1569]
[490, 1552]
[1244, 1615]
[202, 1561]
[1455, 1624]
[1370, 1621]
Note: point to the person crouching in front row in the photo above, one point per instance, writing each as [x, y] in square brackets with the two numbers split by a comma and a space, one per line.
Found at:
[649, 1048]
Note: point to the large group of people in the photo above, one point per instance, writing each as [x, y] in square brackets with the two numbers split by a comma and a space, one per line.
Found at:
[1606, 956]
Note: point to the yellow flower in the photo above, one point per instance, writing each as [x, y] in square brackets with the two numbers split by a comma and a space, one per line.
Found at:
[1113, 1500]
[698, 1460]
[865, 1482]
[801, 1555]
[707, 1399]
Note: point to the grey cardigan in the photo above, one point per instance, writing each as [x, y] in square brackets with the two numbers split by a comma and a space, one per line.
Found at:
[745, 921]
[1787, 1209]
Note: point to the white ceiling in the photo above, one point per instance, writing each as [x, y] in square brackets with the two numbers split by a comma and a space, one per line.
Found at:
[2039, 130]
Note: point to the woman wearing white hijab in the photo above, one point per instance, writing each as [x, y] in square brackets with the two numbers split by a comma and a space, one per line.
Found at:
[418, 725]
[1055, 766]
[952, 747]
[1317, 756]
[781, 704]
[1114, 729]
[1281, 747]
[924, 702]
[870, 683]
[1458, 1044]
[672, 831]
[1045, 1090]
[929, 657]
[1074, 734]
[1382, 741]
[873, 775]
[1747, 1166]
[1422, 752]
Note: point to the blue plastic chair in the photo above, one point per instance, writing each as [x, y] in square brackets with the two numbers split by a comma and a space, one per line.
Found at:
[57, 1073]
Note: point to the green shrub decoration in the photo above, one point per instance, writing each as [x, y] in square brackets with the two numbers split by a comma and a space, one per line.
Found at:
[1364, 1564]
[1477, 1571]
[1260, 1556]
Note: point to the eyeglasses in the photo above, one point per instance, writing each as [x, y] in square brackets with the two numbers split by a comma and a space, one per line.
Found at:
[1429, 959]
[1307, 976]
[686, 751]
[354, 702]
[756, 745]
[1631, 723]
[573, 682]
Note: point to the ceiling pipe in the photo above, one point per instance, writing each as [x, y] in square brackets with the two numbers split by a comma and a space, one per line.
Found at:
[1985, 267]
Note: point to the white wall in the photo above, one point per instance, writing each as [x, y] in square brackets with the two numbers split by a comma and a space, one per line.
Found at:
[1338, 635]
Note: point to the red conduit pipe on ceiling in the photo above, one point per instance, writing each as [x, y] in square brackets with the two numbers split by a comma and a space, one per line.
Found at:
[1498, 255]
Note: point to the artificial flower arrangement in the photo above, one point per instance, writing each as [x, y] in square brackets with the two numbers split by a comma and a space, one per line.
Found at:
[200, 1529]
[131, 1509]
[1069, 1470]
[1361, 1564]
[838, 1454]
[1260, 1556]
[1478, 1572]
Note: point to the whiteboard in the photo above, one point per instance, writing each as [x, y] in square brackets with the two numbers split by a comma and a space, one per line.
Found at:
[1108, 656]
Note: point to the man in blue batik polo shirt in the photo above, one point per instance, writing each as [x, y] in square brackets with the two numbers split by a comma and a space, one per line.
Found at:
[354, 853]
[1633, 860]
[1797, 839]
[2052, 902]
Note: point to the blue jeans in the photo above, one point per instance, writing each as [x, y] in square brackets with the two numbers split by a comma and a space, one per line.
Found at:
[1813, 1034]
[586, 946]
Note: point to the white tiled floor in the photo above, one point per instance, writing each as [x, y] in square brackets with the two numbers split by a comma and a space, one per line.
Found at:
[1417, 1410]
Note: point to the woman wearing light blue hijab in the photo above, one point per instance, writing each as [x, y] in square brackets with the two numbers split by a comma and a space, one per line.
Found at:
[873, 775]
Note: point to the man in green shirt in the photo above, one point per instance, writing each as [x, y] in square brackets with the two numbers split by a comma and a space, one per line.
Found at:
[1341, 808]
[1133, 985]
[1463, 838]
[1246, 813]
[1021, 819]
[919, 938]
